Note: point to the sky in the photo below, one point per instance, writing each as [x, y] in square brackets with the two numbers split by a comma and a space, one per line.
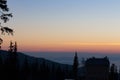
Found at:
[65, 25]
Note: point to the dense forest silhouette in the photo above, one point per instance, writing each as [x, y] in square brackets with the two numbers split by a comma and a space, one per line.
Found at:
[14, 67]
[11, 68]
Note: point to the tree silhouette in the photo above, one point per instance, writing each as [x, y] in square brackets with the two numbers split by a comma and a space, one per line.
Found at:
[11, 47]
[35, 70]
[4, 16]
[75, 67]
[45, 71]
[25, 69]
[59, 74]
[15, 47]
[1, 68]
[113, 72]
[12, 62]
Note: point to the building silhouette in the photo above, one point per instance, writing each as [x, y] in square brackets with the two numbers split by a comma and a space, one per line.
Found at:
[97, 68]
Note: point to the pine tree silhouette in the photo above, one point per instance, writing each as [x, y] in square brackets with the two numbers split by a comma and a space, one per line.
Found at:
[15, 47]
[25, 69]
[1, 68]
[11, 62]
[75, 67]
[113, 72]
[59, 74]
[35, 70]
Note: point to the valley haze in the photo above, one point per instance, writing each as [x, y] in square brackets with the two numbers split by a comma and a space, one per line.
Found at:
[67, 57]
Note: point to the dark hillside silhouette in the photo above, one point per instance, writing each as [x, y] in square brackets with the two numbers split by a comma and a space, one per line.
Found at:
[17, 66]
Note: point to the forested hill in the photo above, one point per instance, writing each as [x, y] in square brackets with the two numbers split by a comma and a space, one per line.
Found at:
[31, 60]
[27, 67]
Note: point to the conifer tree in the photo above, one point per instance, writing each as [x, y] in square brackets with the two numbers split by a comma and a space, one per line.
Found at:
[1, 68]
[15, 47]
[35, 70]
[53, 72]
[12, 62]
[59, 74]
[44, 70]
[75, 67]
[25, 69]
[11, 47]
[113, 72]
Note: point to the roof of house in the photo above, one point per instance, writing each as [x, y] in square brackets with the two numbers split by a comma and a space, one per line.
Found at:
[97, 61]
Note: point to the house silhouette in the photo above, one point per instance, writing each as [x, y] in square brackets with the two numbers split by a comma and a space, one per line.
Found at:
[97, 68]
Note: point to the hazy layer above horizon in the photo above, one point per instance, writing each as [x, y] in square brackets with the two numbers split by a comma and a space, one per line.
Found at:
[67, 57]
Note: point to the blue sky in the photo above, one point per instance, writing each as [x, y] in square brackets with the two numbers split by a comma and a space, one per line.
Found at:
[60, 24]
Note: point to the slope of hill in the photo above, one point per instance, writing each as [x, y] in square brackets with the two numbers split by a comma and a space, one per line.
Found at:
[31, 60]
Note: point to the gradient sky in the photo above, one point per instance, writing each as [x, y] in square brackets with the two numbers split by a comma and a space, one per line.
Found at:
[65, 25]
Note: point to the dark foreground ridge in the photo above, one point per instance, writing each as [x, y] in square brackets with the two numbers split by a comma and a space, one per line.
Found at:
[18, 66]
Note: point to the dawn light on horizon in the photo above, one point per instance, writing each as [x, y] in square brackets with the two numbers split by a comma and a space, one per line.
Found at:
[60, 40]
[65, 25]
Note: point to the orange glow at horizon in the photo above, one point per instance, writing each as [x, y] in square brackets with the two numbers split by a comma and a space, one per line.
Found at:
[86, 26]
[63, 46]
[71, 47]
